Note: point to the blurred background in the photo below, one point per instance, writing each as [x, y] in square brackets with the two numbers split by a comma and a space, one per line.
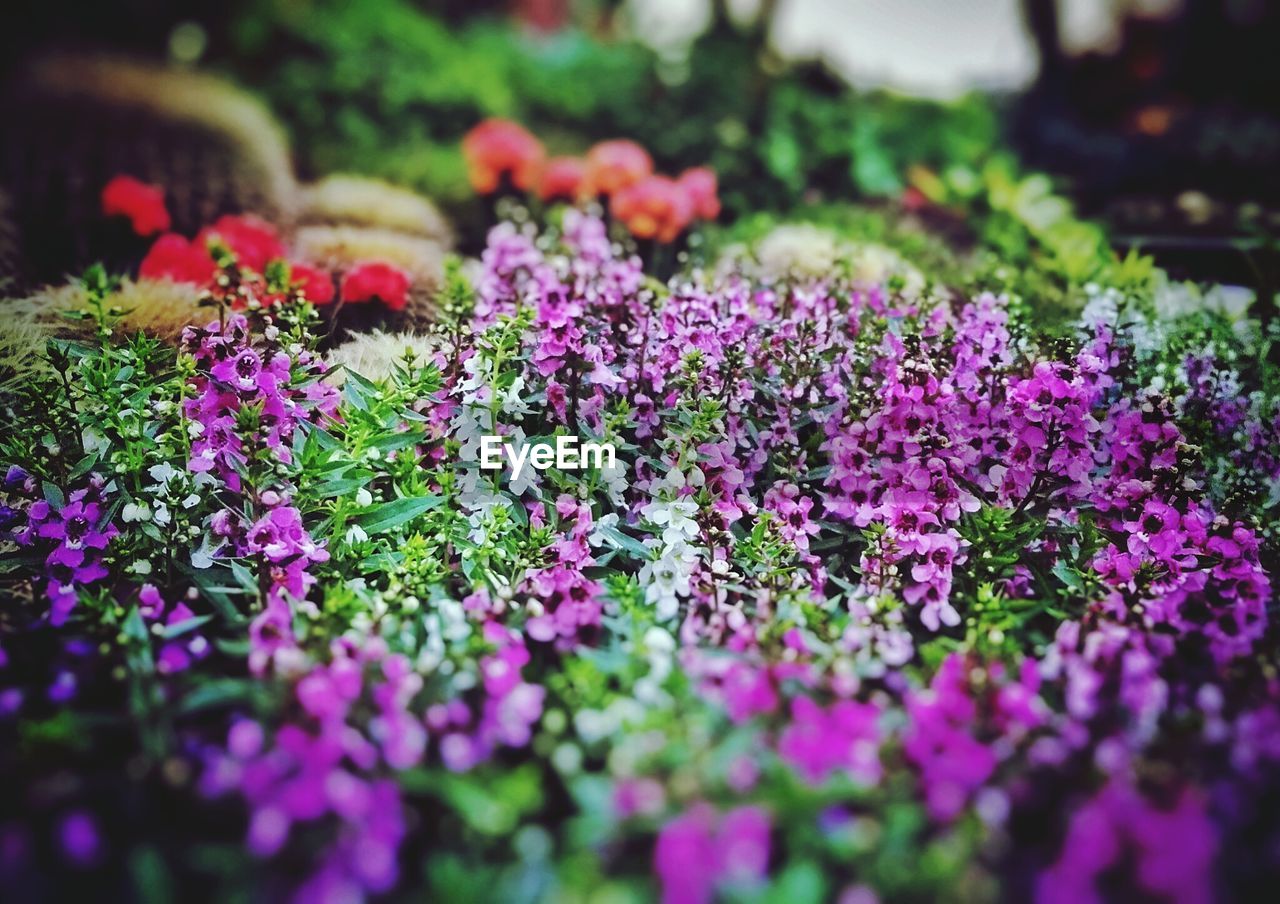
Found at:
[1158, 119]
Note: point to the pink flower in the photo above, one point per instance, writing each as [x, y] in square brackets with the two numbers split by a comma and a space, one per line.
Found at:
[376, 280]
[656, 207]
[953, 764]
[143, 204]
[497, 148]
[700, 850]
[615, 165]
[843, 738]
[699, 184]
[748, 690]
[563, 178]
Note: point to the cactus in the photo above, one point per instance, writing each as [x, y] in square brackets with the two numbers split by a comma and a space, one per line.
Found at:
[157, 307]
[76, 121]
[360, 201]
[374, 355]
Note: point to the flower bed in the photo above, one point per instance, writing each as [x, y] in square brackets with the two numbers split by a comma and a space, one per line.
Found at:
[890, 594]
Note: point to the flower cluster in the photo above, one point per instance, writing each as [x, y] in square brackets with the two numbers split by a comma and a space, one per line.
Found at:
[78, 530]
[618, 172]
[242, 260]
[879, 575]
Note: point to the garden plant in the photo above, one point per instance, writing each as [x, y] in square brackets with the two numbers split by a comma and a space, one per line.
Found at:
[924, 567]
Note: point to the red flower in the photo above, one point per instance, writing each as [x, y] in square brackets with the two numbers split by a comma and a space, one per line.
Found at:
[176, 258]
[655, 208]
[375, 279]
[615, 165]
[499, 147]
[563, 178]
[316, 284]
[143, 204]
[913, 199]
[253, 241]
[699, 184]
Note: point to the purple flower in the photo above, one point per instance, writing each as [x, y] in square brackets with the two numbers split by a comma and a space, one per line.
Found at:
[79, 838]
[699, 850]
[843, 738]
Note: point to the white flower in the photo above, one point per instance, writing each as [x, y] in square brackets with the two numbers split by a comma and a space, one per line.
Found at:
[666, 579]
[1230, 301]
[511, 401]
[94, 441]
[615, 481]
[135, 511]
[660, 640]
[481, 504]
[162, 516]
[163, 472]
[364, 498]
[605, 522]
[676, 480]
[204, 556]
[877, 264]
[675, 517]
[798, 250]
[467, 430]
[356, 534]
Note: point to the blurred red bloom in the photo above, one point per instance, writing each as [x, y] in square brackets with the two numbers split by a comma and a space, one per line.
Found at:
[253, 241]
[700, 184]
[654, 208]
[179, 259]
[913, 199]
[499, 147]
[316, 284]
[143, 204]
[563, 178]
[375, 279]
[615, 165]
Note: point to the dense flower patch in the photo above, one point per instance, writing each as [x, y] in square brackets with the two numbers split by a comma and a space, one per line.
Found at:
[887, 596]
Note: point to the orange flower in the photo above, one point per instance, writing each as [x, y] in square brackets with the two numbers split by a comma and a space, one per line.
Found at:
[497, 148]
[654, 208]
[563, 178]
[700, 184]
[615, 165]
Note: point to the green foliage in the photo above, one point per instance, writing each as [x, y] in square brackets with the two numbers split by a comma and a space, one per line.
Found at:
[383, 88]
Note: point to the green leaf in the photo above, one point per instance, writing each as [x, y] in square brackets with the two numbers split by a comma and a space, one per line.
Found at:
[340, 486]
[800, 883]
[218, 693]
[53, 495]
[84, 466]
[387, 516]
[151, 877]
[627, 543]
[400, 440]
[184, 626]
